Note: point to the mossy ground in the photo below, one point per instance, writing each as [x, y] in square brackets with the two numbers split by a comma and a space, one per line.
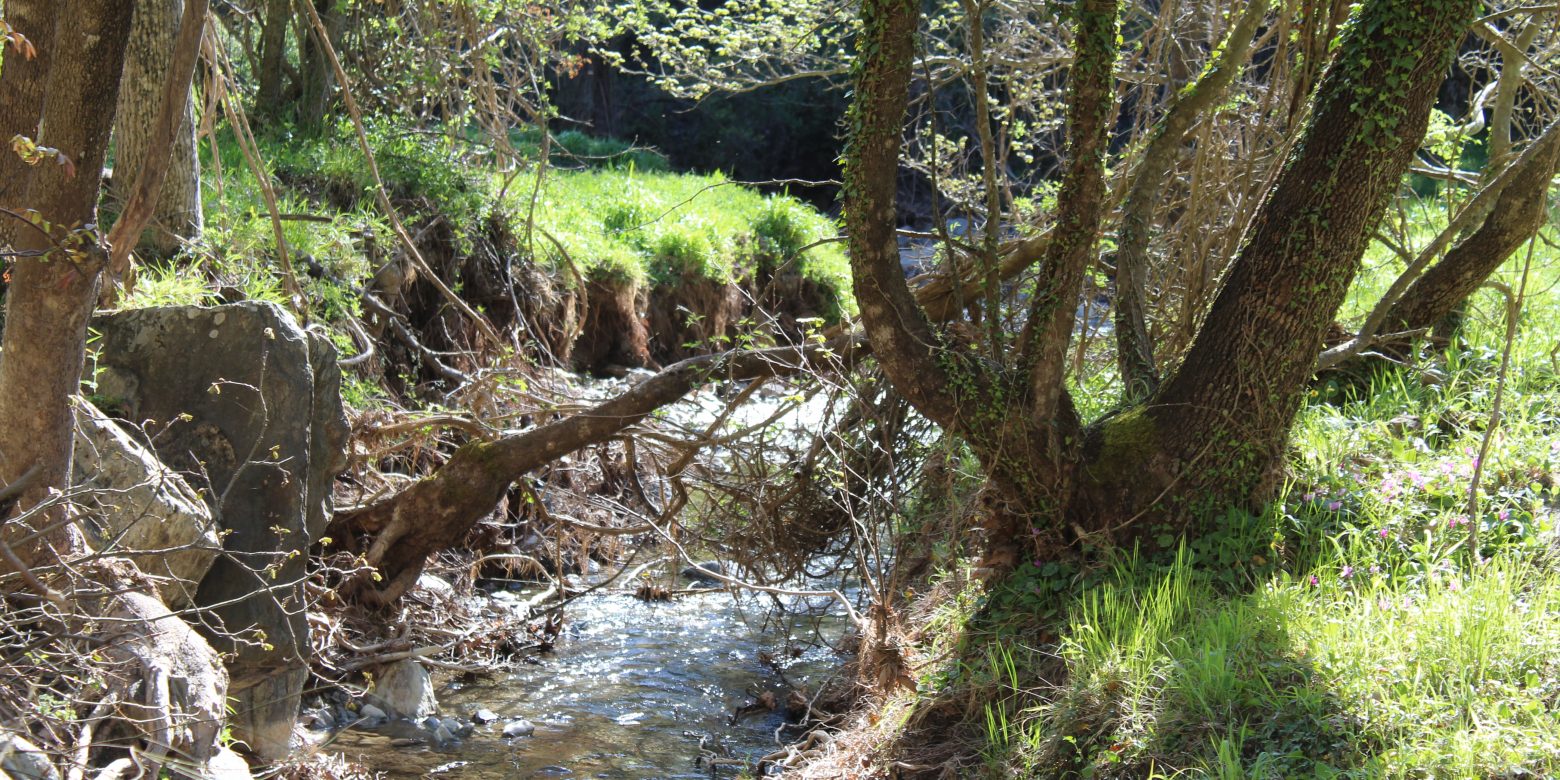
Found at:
[615, 209]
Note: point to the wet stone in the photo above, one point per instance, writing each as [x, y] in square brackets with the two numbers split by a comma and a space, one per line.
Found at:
[519, 728]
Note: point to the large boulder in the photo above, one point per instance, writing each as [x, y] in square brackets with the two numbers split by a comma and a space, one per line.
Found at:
[23, 760]
[404, 689]
[247, 406]
[139, 508]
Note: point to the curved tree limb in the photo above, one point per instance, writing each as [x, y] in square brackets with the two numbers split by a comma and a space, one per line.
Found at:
[1134, 347]
[142, 203]
[1514, 203]
[902, 334]
[440, 509]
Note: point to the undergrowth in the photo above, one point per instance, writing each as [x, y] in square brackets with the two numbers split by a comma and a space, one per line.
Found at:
[1346, 631]
[615, 210]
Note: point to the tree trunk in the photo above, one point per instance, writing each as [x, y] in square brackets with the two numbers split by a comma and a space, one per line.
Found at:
[438, 511]
[1218, 427]
[319, 79]
[1017, 418]
[1518, 215]
[273, 52]
[21, 100]
[177, 217]
[182, 687]
[1211, 437]
[1134, 347]
[52, 294]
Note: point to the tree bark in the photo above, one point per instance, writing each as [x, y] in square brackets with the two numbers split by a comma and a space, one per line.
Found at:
[21, 101]
[1518, 215]
[182, 684]
[172, 121]
[915, 357]
[1080, 211]
[177, 217]
[1219, 425]
[319, 78]
[52, 294]
[273, 52]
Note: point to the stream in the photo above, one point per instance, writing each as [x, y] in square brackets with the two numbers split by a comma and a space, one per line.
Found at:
[637, 689]
[633, 689]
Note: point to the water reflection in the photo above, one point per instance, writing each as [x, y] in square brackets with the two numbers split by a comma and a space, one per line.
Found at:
[633, 690]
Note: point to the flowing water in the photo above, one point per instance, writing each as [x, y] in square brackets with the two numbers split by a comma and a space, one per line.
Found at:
[641, 690]
[632, 690]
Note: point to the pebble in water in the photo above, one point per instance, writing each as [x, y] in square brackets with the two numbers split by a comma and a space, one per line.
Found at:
[519, 728]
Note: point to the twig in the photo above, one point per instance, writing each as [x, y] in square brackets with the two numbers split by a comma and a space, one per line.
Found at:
[20, 484]
[322, 37]
[1513, 310]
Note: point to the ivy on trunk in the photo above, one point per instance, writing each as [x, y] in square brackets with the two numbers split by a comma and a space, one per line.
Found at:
[1211, 437]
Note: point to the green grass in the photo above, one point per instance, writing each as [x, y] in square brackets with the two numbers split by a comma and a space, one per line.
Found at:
[615, 209]
[1344, 632]
[1336, 674]
[662, 226]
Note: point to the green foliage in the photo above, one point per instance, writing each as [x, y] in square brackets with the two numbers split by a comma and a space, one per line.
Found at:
[414, 165]
[1345, 631]
[577, 149]
[647, 225]
[614, 219]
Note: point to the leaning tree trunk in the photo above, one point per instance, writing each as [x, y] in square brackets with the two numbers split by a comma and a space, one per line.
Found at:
[177, 217]
[1518, 215]
[439, 510]
[1214, 435]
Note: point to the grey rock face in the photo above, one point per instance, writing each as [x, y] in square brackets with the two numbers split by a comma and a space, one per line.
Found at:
[227, 765]
[141, 508]
[249, 410]
[23, 760]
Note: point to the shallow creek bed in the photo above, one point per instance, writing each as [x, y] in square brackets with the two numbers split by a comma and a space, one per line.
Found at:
[632, 690]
